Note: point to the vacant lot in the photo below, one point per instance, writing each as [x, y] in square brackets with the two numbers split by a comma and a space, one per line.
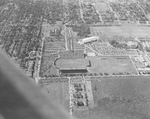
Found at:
[111, 64]
[59, 92]
[119, 98]
[126, 97]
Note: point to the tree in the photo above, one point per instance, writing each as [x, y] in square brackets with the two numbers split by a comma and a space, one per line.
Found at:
[2, 2]
[84, 30]
[95, 88]
[114, 43]
[106, 74]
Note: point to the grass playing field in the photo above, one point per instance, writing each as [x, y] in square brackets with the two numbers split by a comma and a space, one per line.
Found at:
[124, 30]
[111, 64]
[119, 98]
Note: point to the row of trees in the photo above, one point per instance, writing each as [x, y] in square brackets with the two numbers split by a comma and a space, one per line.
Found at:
[98, 74]
[116, 44]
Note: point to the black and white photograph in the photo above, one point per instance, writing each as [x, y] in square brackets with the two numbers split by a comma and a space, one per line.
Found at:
[74, 59]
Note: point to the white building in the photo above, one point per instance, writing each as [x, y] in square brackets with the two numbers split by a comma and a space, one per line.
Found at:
[89, 39]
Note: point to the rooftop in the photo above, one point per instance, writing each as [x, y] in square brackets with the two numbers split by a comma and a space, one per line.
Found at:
[74, 64]
[77, 54]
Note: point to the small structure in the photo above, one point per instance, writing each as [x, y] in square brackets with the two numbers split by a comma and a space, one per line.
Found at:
[132, 44]
[91, 54]
[88, 40]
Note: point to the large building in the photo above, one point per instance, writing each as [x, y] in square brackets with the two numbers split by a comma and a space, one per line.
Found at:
[72, 65]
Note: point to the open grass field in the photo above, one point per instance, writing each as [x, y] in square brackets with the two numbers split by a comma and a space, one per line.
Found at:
[59, 92]
[124, 30]
[119, 98]
[111, 64]
[123, 97]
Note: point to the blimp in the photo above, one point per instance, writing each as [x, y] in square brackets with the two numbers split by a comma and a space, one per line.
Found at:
[88, 40]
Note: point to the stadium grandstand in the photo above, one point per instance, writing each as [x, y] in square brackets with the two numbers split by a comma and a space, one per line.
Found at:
[72, 65]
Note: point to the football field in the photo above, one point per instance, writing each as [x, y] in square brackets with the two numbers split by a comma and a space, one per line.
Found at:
[124, 30]
[111, 64]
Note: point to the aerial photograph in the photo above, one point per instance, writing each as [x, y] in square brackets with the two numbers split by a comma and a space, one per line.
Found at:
[88, 58]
